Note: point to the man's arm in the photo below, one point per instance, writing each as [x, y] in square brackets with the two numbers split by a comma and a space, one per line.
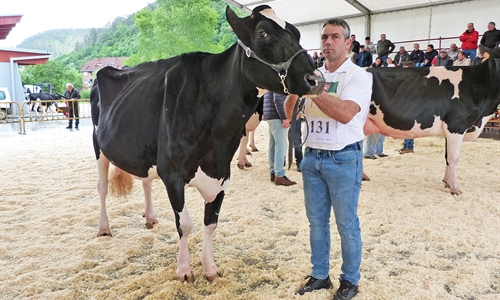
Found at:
[341, 110]
[289, 105]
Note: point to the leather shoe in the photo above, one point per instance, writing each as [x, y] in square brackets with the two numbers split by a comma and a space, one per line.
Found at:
[370, 157]
[283, 181]
[405, 150]
[69, 127]
[314, 284]
[382, 155]
[346, 291]
[273, 177]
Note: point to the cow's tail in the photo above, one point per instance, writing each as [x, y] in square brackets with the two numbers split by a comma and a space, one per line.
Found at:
[120, 182]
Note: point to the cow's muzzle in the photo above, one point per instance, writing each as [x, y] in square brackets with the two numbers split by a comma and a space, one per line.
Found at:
[316, 82]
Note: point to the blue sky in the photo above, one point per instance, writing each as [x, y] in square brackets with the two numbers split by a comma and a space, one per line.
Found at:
[42, 15]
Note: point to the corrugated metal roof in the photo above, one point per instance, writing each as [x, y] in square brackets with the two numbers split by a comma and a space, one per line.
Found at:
[301, 12]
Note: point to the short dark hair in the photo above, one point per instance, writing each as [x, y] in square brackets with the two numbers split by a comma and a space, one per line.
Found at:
[339, 22]
[431, 45]
[367, 38]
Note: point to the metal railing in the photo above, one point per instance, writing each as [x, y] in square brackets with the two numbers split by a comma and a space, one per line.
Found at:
[50, 110]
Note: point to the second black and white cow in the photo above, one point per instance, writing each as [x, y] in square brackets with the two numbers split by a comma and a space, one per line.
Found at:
[186, 114]
[455, 102]
[43, 101]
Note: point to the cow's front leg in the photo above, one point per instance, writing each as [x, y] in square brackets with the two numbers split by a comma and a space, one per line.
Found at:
[102, 189]
[149, 213]
[212, 209]
[453, 145]
[184, 272]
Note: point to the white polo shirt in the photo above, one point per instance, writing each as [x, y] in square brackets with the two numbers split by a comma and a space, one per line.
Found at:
[348, 82]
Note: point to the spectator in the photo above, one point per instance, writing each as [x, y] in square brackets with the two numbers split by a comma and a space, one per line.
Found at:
[364, 57]
[490, 37]
[321, 60]
[417, 56]
[378, 63]
[354, 45]
[374, 145]
[369, 46]
[469, 41]
[274, 114]
[384, 48]
[429, 55]
[72, 94]
[390, 62]
[479, 57]
[461, 60]
[401, 57]
[453, 51]
[315, 58]
[442, 60]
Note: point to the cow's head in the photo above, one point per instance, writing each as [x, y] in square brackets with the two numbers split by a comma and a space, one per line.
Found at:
[276, 61]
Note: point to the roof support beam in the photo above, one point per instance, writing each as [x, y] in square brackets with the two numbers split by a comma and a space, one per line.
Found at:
[359, 6]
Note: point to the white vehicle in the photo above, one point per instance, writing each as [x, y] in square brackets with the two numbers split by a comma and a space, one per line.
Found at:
[5, 103]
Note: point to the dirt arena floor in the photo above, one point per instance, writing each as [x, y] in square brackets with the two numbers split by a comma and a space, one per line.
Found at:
[419, 242]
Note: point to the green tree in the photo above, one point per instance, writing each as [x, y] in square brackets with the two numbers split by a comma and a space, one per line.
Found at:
[175, 27]
[53, 72]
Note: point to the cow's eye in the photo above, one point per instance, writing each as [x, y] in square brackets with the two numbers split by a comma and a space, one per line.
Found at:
[262, 34]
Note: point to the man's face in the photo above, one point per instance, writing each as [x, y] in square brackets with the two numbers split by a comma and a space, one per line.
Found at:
[353, 38]
[402, 50]
[333, 43]
[416, 47]
[453, 47]
[470, 27]
[429, 49]
[442, 54]
[490, 26]
[382, 37]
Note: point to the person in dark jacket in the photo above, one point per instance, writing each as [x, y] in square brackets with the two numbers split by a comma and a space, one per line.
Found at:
[72, 94]
[364, 57]
[274, 114]
[429, 55]
[491, 37]
[384, 48]
[442, 60]
[417, 56]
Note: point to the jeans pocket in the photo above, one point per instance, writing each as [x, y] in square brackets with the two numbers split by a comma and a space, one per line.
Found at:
[345, 157]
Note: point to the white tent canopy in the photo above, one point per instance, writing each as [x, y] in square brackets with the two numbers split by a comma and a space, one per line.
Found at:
[401, 20]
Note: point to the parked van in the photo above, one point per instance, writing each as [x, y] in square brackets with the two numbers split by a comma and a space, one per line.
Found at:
[5, 103]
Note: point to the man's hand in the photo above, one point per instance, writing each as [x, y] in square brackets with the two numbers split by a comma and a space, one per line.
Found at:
[285, 123]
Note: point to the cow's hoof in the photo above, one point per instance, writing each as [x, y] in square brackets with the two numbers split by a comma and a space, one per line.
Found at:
[248, 165]
[255, 150]
[446, 185]
[185, 278]
[457, 192]
[105, 233]
[248, 153]
[150, 225]
[212, 276]
[241, 166]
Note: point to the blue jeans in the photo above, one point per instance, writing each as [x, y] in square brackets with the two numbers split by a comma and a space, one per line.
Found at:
[374, 144]
[333, 179]
[408, 144]
[278, 145]
[297, 140]
[420, 64]
[470, 54]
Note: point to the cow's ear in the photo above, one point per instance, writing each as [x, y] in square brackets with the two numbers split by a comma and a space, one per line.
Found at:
[293, 30]
[235, 21]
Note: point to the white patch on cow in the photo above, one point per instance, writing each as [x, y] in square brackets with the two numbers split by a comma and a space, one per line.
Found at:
[437, 128]
[208, 187]
[470, 136]
[269, 13]
[441, 73]
[260, 92]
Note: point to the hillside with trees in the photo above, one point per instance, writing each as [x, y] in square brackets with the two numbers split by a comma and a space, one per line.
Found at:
[161, 30]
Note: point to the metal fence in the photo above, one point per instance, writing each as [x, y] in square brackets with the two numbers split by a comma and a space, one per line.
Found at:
[43, 111]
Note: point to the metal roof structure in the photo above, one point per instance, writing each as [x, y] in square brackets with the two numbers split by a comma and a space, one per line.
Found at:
[300, 12]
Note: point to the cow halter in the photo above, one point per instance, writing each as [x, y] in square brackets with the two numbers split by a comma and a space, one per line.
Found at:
[280, 68]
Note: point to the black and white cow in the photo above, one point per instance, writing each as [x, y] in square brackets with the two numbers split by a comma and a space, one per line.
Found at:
[43, 101]
[185, 115]
[455, 102]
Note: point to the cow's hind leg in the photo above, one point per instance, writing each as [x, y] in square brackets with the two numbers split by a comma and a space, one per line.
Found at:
[102, 188]
[212, 209]
[149, 214]
[453, 145]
